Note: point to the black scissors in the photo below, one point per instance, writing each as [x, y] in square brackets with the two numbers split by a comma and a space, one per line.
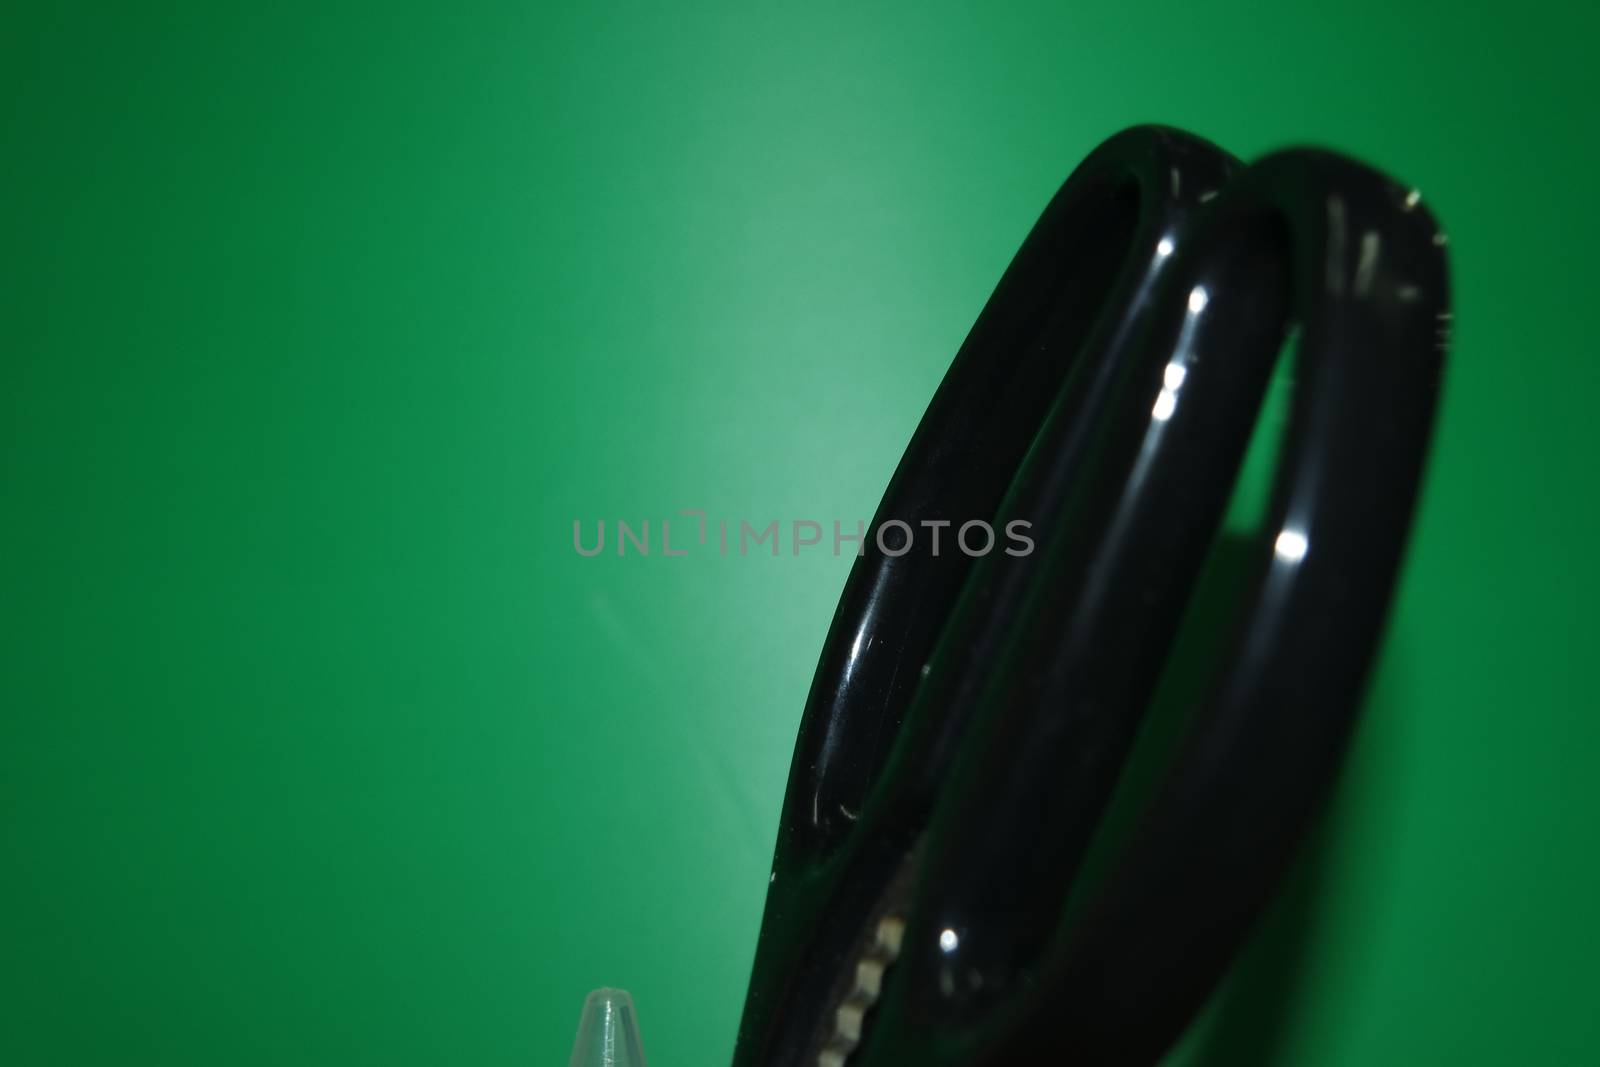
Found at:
[970, 716]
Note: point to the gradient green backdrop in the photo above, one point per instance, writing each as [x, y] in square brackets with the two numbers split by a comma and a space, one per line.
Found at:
[320, 745]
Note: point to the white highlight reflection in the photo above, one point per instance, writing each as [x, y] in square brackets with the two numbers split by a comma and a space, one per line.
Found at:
[1166, 404]
[948, 941]
[1291, 546]
[1167, 401]
[1176, 371]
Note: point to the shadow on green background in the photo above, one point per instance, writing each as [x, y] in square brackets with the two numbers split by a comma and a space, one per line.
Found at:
[318, 329]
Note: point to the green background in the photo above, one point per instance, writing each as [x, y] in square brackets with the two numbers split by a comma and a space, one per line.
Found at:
[319, 743]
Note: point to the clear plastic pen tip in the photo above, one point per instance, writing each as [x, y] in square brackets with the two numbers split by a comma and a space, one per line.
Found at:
[608, 1033]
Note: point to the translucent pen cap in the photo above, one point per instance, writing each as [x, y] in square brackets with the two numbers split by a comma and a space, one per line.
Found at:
[608, 1033]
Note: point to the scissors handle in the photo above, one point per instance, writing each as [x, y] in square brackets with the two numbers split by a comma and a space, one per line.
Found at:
[971, 716]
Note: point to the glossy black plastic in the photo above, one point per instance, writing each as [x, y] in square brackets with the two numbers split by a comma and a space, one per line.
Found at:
[970, 717]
